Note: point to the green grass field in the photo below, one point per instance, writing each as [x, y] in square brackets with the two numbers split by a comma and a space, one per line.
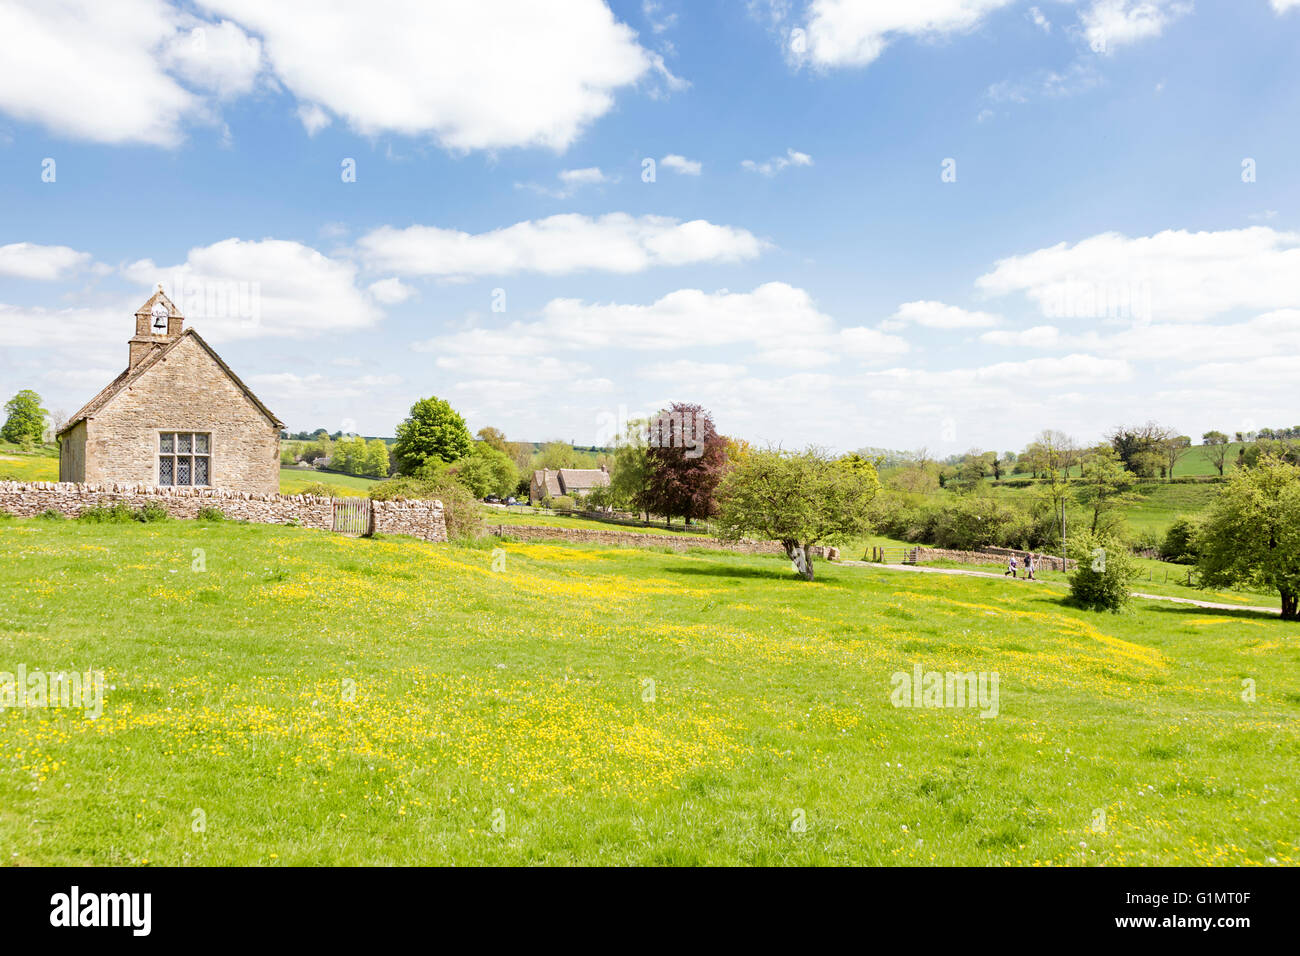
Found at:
[320, 699]
[295, 480]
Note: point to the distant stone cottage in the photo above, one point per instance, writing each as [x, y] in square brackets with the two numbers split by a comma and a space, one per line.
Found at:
[178, 416]
[566, 481]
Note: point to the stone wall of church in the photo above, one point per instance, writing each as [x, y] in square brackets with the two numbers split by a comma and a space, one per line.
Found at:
[186, 391]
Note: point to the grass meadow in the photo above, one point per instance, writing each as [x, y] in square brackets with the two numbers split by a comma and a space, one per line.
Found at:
[281, 696]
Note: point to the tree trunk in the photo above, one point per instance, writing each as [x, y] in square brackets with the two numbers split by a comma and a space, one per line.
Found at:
[1290, 612]
[800, 557]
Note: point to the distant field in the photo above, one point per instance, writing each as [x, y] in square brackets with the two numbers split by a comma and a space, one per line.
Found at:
[1158, 503]
[15, 465]
[294, 481]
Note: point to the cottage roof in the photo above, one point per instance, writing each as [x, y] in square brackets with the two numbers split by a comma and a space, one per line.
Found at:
[133, 375]
[582, 479]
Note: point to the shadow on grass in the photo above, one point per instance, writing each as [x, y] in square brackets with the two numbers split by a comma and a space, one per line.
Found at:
[1174, 607]
[1165, 607]
[766, 574]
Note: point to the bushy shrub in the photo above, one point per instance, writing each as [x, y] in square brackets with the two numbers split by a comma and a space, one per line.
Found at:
[318, 488]
[1104, 573]
[49, 514]
[209, 513]
[562, 503]
[118, 513]
[1179, 545]
[152, 512]
[459, 506]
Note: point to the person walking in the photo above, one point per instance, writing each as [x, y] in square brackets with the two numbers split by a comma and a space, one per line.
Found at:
[1011, 567]
[1029, 566]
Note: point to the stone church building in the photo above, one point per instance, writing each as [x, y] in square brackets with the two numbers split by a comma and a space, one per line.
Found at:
[177, 417]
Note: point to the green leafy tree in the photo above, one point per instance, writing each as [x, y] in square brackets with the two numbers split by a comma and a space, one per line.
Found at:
[433, 431]
[486, 471]
[1215, 449]
[375, 463]
[24, 419]
[1104, 488]
[797, 498]
[633, 471]
[1179, 543]
[1251, 536]
[556, 455]
[1104, 573]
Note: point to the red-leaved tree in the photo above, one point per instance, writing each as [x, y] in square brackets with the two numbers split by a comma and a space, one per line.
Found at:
[687, 458]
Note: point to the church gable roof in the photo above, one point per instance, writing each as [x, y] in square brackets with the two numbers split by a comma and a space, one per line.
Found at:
[133, 375]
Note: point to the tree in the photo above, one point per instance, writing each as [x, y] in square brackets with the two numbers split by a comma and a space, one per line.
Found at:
[25, 419]
[629, 482]
[797, 498]
[349, 455]
[1103, 574]
[1215, 448]
[1104, 488]
[375, 461]
[1053, 452]
[486, 471]
[972, 471]
[687, 458]
[1174, 448]
[1132, 441]
[494, 438]
[432, 431]
[556, 455]
[1251, 535]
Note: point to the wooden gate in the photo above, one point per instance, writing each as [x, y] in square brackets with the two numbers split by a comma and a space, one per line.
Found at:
[353, 517]
[894, 555]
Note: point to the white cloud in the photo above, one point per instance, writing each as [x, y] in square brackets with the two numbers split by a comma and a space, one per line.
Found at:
[215, 56]
[291, 386]
[240, 288]
[1282, 6]
[557, 245]
[1040, 20]
[77, 328]
[26, 260]
[777, 163]
[680, 164]
[1276, 331]
[659, 19]
[853, 33]
[94, 70]
[1109, 24]
[781, 322]
[390, 291]
[1174, 275]
[313, 118]
[937, 315]
[590, 175]
[482, 75]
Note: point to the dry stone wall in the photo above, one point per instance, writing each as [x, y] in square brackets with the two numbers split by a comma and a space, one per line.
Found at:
[678, 542]
[420, 519]
[1046, 562]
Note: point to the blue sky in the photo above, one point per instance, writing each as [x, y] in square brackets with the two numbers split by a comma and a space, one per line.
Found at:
[1119, 240]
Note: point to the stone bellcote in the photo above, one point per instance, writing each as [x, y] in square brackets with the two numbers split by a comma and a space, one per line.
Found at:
[157, 323]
